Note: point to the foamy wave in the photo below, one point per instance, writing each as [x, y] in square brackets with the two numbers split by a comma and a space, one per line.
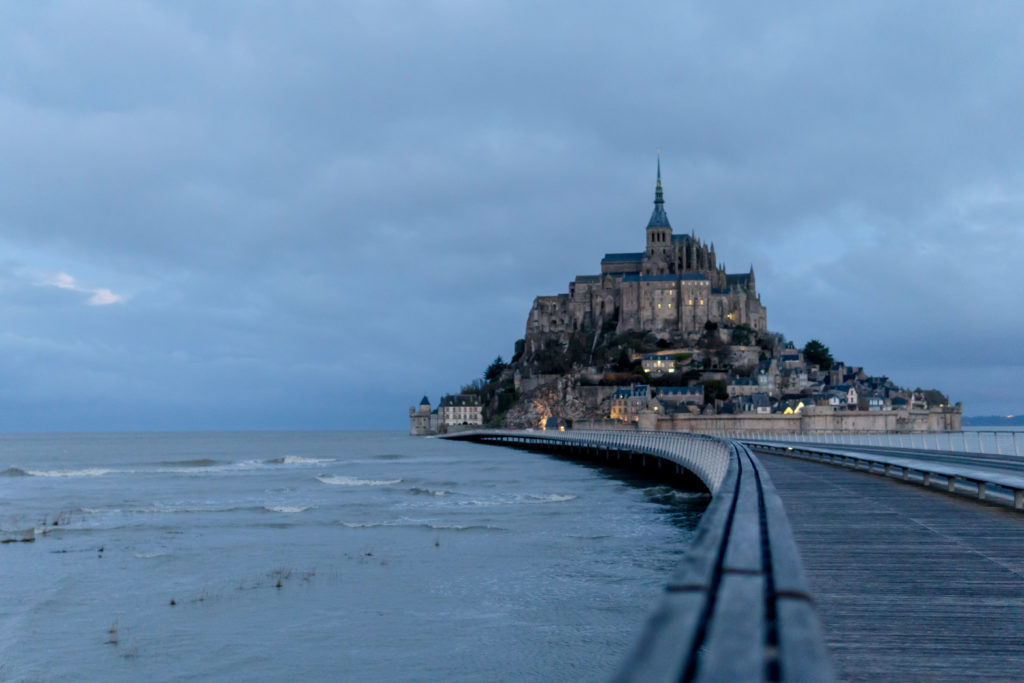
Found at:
[296, 460]
[528, 500]
[285, 508]
[667, 495]
[428, 492]
[200, 462]
[91, 472]
[553, 498]
[412, 524]
[191, 509]
[350, 481]
[148, 556]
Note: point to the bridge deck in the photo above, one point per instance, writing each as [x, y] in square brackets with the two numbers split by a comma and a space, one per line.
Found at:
[911, 584]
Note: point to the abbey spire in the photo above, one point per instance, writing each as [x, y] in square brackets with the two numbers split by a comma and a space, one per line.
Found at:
[659, 219]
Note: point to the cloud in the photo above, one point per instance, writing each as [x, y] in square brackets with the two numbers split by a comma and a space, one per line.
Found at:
[99, 296]
[379, 191]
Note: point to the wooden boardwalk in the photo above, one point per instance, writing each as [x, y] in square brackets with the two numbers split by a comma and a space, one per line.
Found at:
[911, 584]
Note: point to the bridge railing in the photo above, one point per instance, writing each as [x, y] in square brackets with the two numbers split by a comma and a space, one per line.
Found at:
[738, 607]
[978, 481]
[989, 442]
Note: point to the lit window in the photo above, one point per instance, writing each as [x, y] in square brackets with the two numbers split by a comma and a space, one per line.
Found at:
[691, 302]
[659, 305]
[670, 305]
[702, 302]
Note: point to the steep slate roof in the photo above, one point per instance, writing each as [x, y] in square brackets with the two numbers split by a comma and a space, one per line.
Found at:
[588, 279]
[471, 400]
[740, 280]
[618, 258]
[663, 277]
[425, 401]
[693, 276]
[680, 391]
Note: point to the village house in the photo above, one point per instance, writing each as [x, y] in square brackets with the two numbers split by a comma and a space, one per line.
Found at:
[461, 409]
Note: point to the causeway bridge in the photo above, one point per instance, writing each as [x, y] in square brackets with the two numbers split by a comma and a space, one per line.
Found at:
[828, 561]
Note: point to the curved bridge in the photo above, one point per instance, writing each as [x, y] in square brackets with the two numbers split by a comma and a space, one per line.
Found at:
[738, 607]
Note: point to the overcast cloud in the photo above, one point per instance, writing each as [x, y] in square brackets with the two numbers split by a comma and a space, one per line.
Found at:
[308, 214]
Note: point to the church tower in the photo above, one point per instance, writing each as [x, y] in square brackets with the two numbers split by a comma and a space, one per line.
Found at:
[659, 232]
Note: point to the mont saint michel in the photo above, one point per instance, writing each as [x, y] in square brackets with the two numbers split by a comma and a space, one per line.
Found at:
[667, 339]
[672, 289]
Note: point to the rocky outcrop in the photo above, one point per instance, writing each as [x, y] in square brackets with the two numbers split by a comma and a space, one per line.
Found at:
[561, 397]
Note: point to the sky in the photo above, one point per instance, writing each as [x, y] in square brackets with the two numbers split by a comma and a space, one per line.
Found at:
[306, 215]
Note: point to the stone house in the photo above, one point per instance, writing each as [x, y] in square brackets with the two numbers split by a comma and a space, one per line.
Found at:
[672, 398]
[460, 409]
[742, 386]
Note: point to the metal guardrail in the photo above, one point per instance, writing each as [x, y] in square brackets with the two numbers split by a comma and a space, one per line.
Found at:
[738, 607]
[990, 442]
[978, 482]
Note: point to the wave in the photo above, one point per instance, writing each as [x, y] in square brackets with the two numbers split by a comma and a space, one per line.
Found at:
[666, 495]
[552, 498]
[14, 472]
[388, 456]
[199, 462]
[296, 460]
[428, 492]
[351, 481]
[285, 508]
[527, 500]
[422, 525]
[89, 472]
[188, 509]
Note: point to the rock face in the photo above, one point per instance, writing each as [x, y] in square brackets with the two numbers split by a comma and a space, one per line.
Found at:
[561, 398]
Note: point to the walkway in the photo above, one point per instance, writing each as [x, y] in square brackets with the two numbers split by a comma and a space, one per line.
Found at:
[911, 584]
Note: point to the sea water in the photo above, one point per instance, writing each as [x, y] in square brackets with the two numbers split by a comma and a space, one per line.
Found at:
[322, 556]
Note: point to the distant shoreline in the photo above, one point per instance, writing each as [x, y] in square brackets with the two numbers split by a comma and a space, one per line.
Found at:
[994, 421]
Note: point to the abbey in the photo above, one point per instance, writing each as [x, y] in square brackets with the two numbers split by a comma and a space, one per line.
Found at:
[672, 288]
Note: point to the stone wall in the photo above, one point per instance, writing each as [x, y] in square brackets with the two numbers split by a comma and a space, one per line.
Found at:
[813, 419]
